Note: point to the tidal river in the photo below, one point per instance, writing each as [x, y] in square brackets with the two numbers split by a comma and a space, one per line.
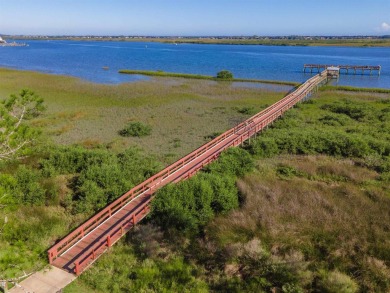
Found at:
[86, 60]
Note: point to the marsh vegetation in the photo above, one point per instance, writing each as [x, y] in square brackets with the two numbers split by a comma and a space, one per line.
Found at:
[303, 208]
[308, 212]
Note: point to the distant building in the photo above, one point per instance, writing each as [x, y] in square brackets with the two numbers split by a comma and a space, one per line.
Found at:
[2, 41]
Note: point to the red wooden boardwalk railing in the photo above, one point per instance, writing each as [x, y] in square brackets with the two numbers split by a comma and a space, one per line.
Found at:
[76, 251]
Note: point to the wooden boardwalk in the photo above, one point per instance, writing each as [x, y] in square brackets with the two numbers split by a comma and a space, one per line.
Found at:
[355, 69]
[79, 249]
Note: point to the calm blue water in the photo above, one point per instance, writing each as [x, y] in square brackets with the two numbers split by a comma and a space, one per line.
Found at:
[86, 59]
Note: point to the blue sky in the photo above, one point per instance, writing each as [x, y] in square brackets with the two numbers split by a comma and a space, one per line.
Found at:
[196, 17]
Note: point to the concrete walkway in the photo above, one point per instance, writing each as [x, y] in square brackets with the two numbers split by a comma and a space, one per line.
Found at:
[51, 280]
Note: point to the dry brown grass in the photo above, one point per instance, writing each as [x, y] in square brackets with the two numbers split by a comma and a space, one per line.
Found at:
[323, 168]
[333, 212]
[91, 143]
[61, 130]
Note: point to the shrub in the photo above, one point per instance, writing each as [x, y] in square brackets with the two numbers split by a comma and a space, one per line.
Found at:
[212, 135]
[286, 172]
[73, 159]
[225, 74]
[91, 197]
[334, 120]
[184, 206]
[189, 205]
[325, 141]
[233, 162]
[29, 191]
[99, 175]
[8, 186]
[264, 147]
[354, 110]
[246, 110]
[137, 129]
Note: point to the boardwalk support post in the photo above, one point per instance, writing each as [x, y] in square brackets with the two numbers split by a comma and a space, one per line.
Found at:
[50, 256]
[77, 268]
[109, 241]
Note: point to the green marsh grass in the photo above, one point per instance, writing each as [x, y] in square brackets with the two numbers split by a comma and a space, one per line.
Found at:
[205, 77]
[306, 221]
[355, 89]
[175, 108]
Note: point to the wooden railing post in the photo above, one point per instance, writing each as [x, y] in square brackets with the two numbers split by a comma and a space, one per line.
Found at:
[109, 241]
[77, 268]
[50, 256]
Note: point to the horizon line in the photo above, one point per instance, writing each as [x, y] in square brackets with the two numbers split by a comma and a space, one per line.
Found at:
[188, 36]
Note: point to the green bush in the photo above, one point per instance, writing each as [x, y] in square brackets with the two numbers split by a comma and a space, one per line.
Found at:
[137, 129]
[233, 162]
[334, 120]
[246, 110]
[264, 147]
[100, 176]
[8, 187]
[225, 75]
[29, 191]
[73, 159]
[353, 109]
[189, 205]
[184, 206]
[90, 197]
[286, 172]
[325, 141]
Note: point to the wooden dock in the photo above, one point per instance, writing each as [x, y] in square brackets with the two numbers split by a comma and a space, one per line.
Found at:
[346, 69]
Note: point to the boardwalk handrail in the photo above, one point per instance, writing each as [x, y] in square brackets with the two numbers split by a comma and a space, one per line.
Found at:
[374, 67]
[232, 137]
[344, 68]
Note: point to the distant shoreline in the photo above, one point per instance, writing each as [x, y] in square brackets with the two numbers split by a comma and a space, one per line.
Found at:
[263, 41]
[276, 82]
[204, 77]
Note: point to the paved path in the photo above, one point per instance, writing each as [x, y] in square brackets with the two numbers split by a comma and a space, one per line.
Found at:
[50, 280]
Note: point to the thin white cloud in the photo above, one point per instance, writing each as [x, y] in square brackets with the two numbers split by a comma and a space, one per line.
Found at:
[385, 27]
